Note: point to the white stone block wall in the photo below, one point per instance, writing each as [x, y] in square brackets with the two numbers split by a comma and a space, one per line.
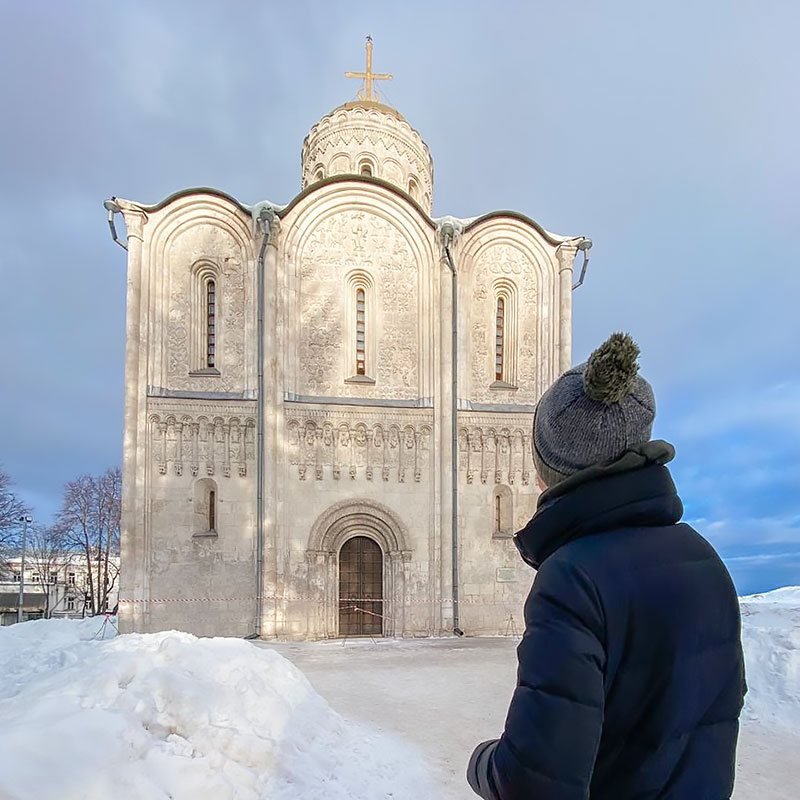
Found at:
[344, 454]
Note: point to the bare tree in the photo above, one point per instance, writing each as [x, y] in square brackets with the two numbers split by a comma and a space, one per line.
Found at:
[89, 521]
[45, 553]
[109, 504]
[11, 509]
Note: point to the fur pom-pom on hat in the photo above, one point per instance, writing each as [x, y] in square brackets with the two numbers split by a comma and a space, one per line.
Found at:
[612, 369]
[594, 412]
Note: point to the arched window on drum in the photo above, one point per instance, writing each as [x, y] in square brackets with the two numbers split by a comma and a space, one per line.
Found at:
[413, 189]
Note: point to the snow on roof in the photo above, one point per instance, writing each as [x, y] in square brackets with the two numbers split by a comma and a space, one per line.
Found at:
[460, 223]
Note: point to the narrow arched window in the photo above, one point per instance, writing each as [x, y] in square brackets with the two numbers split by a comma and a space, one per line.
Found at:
[366, 169]
[413, 189]
[212, 510]
[503, 512]
[361, 325]
[319, 175]
[499, 341]
[211, 323]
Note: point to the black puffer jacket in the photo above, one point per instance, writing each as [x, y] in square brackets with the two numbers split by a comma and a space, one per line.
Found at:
[631, 675]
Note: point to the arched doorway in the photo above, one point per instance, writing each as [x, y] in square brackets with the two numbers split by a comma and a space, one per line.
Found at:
[387, 536]
[360, 588]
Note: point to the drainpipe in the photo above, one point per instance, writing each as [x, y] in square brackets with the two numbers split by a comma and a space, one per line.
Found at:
[447, 231]
[265, 218]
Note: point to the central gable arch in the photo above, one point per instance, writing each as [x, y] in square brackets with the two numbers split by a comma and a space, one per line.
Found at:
[320, 251]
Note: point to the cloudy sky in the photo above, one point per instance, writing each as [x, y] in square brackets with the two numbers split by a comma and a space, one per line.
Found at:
[667, 132]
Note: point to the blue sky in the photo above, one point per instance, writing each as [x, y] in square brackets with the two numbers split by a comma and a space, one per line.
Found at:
[665, 132]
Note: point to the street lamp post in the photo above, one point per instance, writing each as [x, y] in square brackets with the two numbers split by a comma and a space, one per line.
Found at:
[25, 520]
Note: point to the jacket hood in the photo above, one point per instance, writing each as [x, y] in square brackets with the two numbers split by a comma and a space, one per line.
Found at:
[634, 490]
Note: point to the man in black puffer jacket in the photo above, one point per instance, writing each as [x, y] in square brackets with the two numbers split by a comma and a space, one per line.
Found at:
[631, 675]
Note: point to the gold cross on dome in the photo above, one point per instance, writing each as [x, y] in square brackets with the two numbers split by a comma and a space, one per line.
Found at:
[366, 93]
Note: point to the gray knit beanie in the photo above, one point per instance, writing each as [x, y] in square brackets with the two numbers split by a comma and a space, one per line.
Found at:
[593, 412]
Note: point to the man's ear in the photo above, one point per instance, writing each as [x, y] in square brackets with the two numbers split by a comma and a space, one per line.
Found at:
[540, 483]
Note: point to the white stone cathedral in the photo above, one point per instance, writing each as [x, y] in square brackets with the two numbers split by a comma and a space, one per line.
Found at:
[288, 447]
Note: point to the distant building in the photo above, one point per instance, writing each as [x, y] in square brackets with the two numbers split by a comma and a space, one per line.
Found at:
[289, 385]
[61, 590]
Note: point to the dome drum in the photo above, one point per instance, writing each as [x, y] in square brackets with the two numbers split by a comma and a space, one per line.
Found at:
[371, 139]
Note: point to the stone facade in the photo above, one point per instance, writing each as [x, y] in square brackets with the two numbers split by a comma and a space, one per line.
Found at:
[352, 433]
[367, 136]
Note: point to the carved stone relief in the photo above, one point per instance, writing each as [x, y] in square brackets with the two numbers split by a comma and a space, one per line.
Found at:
[504, 261]
[342, 243]
[217, 246]
[499, 454]
[335, 446]
[202, 444]
[396, 150]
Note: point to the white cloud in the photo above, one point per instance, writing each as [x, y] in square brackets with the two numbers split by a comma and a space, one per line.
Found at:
[748, 531]
[766, 558]
[777, 407]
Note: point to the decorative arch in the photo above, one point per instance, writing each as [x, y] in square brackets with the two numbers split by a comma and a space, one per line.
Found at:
[346, 195]
[165, 279]
[392, 171]
[345, 519]
[503, 257]
[360, 320]
[502, 512]
[413, 189]
[367, 167]
[206, 507]
[364, 207]
[299, 229]
[205, 337]
[339, 164]
[504, 295]
[332, 529]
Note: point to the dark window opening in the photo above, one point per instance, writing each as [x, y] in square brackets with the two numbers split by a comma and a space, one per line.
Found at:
[212, 510]
[361, 313]
[499, 341]
[211, 323]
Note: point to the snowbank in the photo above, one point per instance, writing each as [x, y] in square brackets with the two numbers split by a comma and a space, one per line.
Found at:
[771, 638]
[171, 716]
[91, 716]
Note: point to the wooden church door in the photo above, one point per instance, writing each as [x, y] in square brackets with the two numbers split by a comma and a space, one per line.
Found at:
[360, 588]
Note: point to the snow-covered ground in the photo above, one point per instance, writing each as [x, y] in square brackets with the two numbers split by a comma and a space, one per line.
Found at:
[172, 716]
[168, 715]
